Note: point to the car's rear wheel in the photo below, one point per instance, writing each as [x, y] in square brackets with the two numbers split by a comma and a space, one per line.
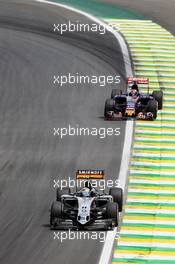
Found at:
[152, 107]
[109, 106]
[158, 96]
[55, 212]
[114, 93]
[112, 212]
[117, 194]
[60, 192]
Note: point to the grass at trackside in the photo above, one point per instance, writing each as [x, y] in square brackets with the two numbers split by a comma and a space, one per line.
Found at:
[102, 10]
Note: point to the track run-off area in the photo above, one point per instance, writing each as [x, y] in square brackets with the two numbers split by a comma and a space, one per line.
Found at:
[147, 232]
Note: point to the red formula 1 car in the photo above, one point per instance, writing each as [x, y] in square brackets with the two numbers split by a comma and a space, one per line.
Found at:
[133, 104]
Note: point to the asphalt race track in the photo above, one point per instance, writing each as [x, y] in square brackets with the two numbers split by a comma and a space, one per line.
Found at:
[30, 107]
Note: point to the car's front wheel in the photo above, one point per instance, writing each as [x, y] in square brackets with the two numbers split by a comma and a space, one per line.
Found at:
[109, 106]
[117, 194]
[55, 212]
[112, 212]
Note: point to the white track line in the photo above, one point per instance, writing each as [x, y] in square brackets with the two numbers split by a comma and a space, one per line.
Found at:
[108, 245]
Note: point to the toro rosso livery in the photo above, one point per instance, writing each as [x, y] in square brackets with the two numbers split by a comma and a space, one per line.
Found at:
[133, 104]
[88, 207]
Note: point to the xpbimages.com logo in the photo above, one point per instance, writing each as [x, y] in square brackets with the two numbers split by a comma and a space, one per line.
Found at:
[82, 235]
[75, 131]
[85, 28]
[77, 78]
[101, 185]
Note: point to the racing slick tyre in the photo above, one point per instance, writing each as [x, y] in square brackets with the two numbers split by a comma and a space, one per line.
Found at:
[152, 107]
[117, 194]
[158, 96]
[60, 192]
[112, 212]
[114, 93]
[109, 106]
[55, 212]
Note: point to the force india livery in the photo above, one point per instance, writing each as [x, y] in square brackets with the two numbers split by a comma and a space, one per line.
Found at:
[133, 104]
[88, 207]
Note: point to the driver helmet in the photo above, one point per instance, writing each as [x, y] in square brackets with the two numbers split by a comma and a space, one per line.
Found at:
[135, 86]
[134, 89]
[134, 92]
[85, 192]
[88, 185]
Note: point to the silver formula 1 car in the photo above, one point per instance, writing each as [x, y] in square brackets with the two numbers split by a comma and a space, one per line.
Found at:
[86, 208]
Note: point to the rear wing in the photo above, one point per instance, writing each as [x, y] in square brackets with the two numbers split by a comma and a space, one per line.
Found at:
[90, 174]
[131, 80]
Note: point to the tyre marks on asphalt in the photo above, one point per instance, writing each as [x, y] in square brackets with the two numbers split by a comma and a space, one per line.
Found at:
[148, 229]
